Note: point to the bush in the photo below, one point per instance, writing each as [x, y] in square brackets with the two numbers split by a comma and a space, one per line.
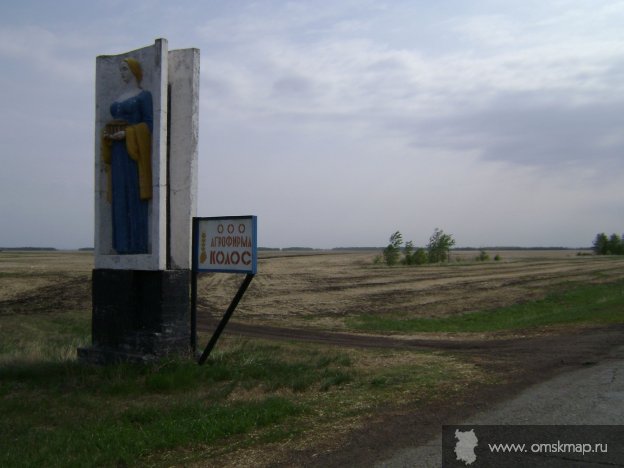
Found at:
[482, 257]
[413, 256]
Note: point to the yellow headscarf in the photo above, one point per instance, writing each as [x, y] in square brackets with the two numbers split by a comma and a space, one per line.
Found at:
[135, 68]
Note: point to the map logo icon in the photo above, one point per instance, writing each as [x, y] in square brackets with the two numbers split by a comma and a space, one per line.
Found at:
[465, 447]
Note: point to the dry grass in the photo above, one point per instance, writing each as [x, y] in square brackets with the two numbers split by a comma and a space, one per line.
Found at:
[322, 291]
[23, 273]
[45, 315]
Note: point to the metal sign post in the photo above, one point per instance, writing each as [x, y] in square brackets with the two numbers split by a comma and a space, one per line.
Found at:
[222, 245]
[226, 318]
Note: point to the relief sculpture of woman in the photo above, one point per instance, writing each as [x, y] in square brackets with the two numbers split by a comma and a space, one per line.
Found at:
[126, 152]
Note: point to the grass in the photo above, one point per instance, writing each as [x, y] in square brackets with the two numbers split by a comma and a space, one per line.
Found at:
[250, 394]
[67, 414]
[42, 337]
[597, 304]
[124, 437]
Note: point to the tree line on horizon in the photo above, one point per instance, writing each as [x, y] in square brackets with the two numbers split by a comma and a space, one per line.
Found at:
[29, 249]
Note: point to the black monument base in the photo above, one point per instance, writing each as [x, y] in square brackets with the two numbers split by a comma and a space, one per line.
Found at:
[139, 316]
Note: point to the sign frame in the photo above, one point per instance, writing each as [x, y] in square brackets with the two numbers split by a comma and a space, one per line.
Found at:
[225, 225]
[224, 222]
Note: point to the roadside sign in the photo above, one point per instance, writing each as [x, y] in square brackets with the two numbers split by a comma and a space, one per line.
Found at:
[225, 244]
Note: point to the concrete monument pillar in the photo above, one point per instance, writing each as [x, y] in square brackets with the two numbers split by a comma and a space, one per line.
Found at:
[146, 132]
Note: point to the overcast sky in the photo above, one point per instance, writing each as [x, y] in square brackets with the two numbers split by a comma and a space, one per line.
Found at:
[338, 122]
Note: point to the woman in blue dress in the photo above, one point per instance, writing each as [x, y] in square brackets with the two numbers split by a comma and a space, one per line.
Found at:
[126, 149]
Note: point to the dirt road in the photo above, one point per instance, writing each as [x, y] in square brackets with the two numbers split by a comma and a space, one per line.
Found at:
[400, 435]
[308, 299]
[592, 395]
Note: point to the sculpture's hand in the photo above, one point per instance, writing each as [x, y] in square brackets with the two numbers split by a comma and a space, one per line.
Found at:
[121, 135]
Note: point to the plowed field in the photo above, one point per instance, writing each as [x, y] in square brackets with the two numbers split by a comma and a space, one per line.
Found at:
[322, 290]
[312, 297]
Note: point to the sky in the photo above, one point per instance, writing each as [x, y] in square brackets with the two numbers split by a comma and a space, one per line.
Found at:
[338, 122]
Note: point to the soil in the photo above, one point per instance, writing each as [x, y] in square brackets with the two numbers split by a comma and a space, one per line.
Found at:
[308, 298]
[523, 361]
[321, 291]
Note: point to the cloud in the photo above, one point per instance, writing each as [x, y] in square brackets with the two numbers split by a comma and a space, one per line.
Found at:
[348, 116]
[525, 129]
[53, 55]
[494, 30]
[293, 86]
[539, 108]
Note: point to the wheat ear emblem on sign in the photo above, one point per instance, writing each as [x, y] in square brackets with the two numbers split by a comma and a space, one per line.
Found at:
[203, 256]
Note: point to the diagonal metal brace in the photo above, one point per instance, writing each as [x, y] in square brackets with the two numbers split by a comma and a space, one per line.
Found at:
[226, 318]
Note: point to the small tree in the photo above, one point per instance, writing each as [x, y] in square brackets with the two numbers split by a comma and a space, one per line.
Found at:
[408, 250]
[414, 256]
[601, 244]
[419, 257]
[439, 246]
[615, 245]
[392, 252]
[604, 245]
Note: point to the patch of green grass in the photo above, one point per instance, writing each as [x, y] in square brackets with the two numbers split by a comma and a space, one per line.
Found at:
[334, 378]
[424, 376]
[252, 363]
[59, 412]
[63, 413]
[111, 438]
[602, 303]
[43, 337]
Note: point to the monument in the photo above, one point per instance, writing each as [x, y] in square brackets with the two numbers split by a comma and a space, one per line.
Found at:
[146, 132]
